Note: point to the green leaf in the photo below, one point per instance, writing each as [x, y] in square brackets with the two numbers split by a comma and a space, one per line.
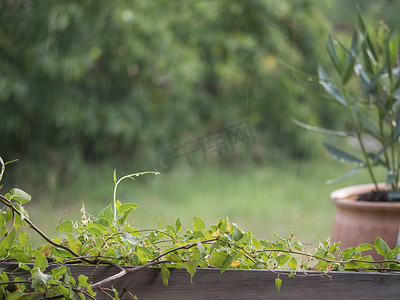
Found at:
[282, 259]
[256, 243]
[24, 267]
[24, 213]
[7, 215]
[341, 267]
[198, 224]
[107, 214]
[258, 265]
[202, 249]
[383, 249]
[47, 249]
[134, 260]
[173, 257]
[321, 265]
[124, 207]
[39, 278]
[227, 262]
[17, 295]
[351, 59]
[21, 256]
[333, 55]
[23, 238]
[372, 41]
[4, 277]
[236, 234]
[164, 274]
[329, 87]
[278, 283]
[75, 245]
[178, 225]
[320, 130]
[7, 243]
[101, 224]
[65, 226]
[91, 292]
[217, 259]
[191, 266]
[66, 292]
[391, 177]
[333, 248]
[396, 251]
[343, 156]
[292, 263]
[20, 196]
[370, 84]
[125, 215]
[392, 47]
[94, 230]
[171, 230]
[82, 279]
[41, 261]
[134, 241]
[352, 172]
[59, 271]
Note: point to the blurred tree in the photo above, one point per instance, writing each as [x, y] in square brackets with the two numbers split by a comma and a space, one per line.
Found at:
[103, 78]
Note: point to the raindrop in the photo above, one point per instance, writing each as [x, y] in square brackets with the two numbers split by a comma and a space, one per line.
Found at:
[309, 78]
[156, 173]
[342, 160]
[335, 42]
[329, 83]
[320, 82]
[359, 66]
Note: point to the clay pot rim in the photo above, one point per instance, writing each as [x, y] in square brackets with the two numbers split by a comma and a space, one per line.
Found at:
[347, 197]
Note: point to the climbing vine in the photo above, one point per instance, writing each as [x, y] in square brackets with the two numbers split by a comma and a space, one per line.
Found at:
[110, 239]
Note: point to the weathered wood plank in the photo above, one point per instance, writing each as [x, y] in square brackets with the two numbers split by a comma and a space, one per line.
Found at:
[244, 284]
[254, 284]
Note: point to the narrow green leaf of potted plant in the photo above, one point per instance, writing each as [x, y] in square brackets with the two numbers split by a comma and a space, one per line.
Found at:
[365, 82]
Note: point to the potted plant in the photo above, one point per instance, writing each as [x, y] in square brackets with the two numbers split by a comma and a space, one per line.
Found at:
[365, 81]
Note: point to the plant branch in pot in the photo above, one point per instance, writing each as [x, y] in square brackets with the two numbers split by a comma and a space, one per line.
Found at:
[365, 82]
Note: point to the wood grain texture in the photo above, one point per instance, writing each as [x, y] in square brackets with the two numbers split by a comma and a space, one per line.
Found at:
[252, 284]
[245, 284]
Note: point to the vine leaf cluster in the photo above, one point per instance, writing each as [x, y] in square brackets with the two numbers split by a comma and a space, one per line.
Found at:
[110, 239]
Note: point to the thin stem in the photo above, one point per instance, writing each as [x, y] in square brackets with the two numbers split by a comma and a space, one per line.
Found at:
[187, 246]
[123, 271]
[5, 201]
[356, 125]
[331, 260]
[11, 227]
[393, 126]
[246, 253]
[61, 296]
[131, 176]
[381, 131]
[3, 168]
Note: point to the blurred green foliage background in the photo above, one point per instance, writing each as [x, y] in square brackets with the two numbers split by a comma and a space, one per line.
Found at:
[94, 81]
[84, 80]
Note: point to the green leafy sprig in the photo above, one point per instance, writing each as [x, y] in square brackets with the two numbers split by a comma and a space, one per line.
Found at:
[110, 239]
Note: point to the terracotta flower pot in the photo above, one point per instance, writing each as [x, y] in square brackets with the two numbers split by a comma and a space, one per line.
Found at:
[358, 222]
